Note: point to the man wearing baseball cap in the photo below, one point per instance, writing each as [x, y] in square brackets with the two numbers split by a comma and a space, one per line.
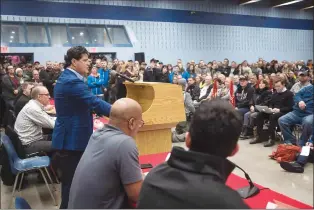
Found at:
[304, 80]
[243, 95]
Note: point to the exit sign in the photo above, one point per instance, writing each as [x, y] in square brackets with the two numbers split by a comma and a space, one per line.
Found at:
[4, 49]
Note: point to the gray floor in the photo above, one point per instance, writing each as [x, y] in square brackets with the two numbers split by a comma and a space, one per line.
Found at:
[253, 158]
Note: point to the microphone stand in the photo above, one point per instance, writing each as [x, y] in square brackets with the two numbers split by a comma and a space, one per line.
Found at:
[248, 191]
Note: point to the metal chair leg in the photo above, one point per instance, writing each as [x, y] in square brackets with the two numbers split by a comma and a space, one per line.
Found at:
[21, 182]
[13, 192]
[53, 186]
[54, 174]
[43, 175]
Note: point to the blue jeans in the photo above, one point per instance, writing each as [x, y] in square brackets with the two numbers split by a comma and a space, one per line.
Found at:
[302, 160]
[249, 118]
[291, 119]
[242, 111]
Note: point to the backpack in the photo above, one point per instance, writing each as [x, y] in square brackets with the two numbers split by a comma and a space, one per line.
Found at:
[285, 153]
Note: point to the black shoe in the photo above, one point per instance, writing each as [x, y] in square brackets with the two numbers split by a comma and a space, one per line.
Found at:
[256, 140]
[243, 133]
[270, 143]
[247, 134]
[292, 167]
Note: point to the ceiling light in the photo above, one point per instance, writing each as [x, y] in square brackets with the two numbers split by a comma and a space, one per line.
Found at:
[86, 42]
[310, 7]
[287, 3]
[250, 2]
[11, 37]
[81, 34]
[10, 40]
[95, 40]
[73, 37]
[13, 32]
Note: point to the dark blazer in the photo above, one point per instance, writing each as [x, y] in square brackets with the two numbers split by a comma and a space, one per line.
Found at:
[8, 88]
[74, 106]
[47, 80]
[283, 101]
[190, 180]
[20, 103]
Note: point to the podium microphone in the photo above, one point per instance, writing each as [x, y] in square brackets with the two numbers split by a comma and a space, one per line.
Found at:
[248, 191]
[114, 73]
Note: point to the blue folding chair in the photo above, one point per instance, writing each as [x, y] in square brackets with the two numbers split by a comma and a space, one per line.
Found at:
[20, 166]
[21, 203]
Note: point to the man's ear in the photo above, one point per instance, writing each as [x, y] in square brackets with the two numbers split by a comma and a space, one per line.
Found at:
[188, 140]
[235, 151]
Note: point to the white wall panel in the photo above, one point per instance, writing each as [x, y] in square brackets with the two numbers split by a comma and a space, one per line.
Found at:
[169, 41]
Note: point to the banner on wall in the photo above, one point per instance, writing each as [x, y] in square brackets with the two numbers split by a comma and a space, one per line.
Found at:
[4, 49]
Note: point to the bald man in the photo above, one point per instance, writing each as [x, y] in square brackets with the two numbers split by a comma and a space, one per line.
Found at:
[108, 175]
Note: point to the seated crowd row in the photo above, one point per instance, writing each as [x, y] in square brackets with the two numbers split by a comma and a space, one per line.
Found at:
[285, 88]
[287, 97]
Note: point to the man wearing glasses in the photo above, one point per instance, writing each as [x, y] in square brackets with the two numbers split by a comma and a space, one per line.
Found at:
[32, 119]
[108, 175]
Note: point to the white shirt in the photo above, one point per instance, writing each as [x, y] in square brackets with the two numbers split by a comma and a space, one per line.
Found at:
[30, 121]
[77, 74]
[203, 91]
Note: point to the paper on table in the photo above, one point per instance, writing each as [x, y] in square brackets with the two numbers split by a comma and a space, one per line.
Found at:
[271, 205]
[305, 151]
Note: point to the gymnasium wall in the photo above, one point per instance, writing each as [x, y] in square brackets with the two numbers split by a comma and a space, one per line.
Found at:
[168, 30]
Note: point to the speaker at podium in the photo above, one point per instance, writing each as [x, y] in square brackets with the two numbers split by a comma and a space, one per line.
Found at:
[163, 108]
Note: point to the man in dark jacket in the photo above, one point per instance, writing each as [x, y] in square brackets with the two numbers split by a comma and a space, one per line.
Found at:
[24, 98]
[226, 69]
[196, 178]
[164, 75]
[46, 77]
[280, 104]
[243, 96]
[193, 89]
[151, 72]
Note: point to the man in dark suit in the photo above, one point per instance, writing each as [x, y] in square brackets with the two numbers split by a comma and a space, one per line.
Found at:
[74, 125]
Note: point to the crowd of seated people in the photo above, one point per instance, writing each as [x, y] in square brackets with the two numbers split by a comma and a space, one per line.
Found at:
[284, 87]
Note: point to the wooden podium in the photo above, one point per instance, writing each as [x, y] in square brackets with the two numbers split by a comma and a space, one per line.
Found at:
[163, 108]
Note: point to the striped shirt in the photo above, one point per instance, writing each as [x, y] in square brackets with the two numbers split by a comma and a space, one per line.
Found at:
[30, 121]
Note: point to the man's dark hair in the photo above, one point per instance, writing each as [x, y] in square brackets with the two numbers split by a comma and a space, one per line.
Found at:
[215, 128]
[76, 53]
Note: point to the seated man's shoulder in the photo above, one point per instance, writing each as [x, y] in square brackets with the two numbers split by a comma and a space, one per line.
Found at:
[114, 137]
[210, 193]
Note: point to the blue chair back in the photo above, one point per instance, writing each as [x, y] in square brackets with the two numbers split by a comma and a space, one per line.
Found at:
[21, 203]
[12, 155]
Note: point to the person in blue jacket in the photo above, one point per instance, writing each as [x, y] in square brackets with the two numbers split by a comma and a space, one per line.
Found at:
[104, 73]
[74, 104]
[176, 72]
[95, 83]
[190, 72]
[302, 114]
